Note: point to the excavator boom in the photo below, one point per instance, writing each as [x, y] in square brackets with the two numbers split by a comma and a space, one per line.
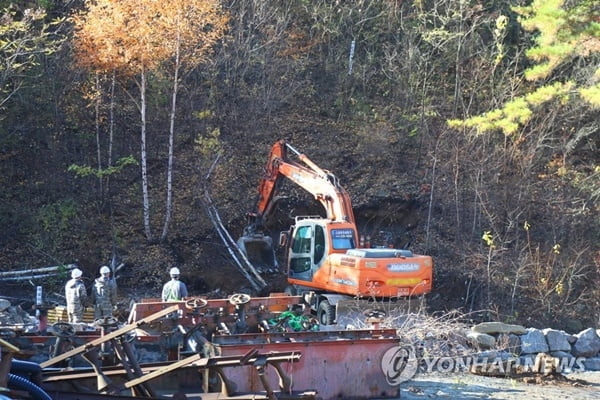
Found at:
[322, 184]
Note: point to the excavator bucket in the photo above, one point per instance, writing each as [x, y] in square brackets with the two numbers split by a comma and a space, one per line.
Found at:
[258, 249]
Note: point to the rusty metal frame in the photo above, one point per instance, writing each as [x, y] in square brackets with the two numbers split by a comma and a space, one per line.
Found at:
[222, 361]
[137, 377]
[112, 335]
[216, 364]
[220, 309]
[329, 351]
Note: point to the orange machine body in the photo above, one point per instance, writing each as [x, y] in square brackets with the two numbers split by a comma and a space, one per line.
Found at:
[323, 255]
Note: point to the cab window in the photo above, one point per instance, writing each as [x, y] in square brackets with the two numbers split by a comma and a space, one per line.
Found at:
[301, 264]
[301, 243]
[343, 239]
[319, 243]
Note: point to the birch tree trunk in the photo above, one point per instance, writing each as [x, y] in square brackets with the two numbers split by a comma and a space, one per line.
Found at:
[146, 195]
[111, 129]
[169, 202]
[97, 122]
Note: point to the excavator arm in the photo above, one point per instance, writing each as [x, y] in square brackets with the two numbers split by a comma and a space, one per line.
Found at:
[322, 184]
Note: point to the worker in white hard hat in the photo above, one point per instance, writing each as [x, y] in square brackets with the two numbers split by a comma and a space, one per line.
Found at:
[104, 293]
[174, 290]
[76, 296]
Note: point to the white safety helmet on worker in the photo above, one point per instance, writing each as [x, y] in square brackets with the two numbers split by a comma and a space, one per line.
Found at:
[76, 273]
[104, 270]
[174, 271]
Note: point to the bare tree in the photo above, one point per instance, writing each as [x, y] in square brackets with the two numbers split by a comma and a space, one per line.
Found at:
[135, 38]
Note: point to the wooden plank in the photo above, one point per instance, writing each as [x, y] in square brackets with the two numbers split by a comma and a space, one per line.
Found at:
[8, 348]
[164, 370]
[107, 337]
[59, 313]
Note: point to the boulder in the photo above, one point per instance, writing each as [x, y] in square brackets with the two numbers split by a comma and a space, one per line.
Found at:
[499, 327]
[481, 341]
[562, 354]
[509, 342]
[587, 344]
[4, 304]
[568, 363]
[533, 341]
[557, 340]
[592, 364]
[571, 338]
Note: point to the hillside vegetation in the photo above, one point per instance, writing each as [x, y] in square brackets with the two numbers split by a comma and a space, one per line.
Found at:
[466, 130]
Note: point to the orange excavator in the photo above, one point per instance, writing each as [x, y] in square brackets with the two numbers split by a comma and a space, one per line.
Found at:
[326, 259]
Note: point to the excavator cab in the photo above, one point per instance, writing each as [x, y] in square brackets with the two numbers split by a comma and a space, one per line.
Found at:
[312, 239]
[301, 253]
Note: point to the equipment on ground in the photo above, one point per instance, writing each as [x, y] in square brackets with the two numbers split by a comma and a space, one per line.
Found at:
[326, 259]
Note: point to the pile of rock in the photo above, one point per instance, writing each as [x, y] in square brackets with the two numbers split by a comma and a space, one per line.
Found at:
[15, 318]
[581, 351]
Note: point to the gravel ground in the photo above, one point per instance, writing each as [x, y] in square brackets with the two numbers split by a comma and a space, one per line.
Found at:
[579, 385]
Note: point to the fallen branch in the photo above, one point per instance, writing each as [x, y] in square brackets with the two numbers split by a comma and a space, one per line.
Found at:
[244, 265]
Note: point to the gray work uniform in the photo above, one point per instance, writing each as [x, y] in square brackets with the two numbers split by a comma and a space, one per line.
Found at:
[105, 297]
[76, 296]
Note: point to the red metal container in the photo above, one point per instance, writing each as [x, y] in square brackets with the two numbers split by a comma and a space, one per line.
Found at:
[337, 364]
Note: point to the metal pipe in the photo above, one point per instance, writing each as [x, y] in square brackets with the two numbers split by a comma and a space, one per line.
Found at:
[36, 270]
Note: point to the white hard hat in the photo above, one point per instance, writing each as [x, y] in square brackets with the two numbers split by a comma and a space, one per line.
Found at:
[76, 273]
[174, 271]
[105, 270]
